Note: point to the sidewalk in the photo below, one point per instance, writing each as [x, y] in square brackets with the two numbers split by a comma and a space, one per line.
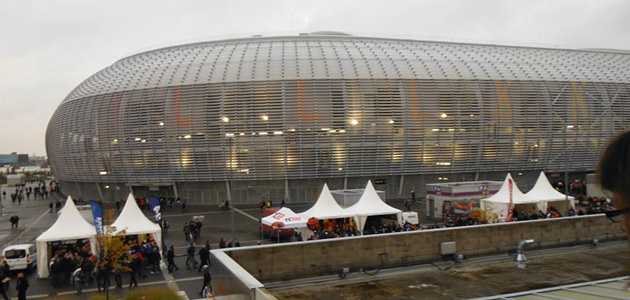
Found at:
[30, 211]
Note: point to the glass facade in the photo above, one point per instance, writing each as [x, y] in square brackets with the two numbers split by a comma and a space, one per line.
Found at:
[289, 108]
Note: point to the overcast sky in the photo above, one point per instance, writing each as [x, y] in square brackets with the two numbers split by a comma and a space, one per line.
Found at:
[49, 47]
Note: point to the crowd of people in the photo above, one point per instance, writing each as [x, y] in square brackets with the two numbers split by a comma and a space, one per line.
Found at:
[39, 189]
[66, 261]
[192, 229]
[78, 267]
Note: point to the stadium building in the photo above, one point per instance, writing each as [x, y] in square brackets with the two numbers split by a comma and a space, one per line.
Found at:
[279, 116]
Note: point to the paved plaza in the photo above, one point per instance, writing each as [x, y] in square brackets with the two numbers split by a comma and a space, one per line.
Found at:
[35, 219]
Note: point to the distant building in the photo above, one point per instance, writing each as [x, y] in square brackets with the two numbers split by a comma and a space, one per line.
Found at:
[38, 161]
[9, 159]
[23, 159]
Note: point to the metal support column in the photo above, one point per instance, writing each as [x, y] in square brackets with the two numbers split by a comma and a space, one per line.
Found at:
[400, 186]
[175, 192]
[98, 187]
[287, 193]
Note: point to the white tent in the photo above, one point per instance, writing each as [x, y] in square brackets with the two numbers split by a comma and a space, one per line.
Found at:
[545, 194]
[287, 217]
[70, 226]
[326, 207]
[133, 221]
[370, 204]
[500, 201]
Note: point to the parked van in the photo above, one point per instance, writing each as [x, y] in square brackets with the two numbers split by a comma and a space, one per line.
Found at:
[20, 257]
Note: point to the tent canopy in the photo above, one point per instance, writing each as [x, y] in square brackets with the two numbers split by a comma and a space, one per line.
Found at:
[543, 191]
[287, 217]
[134, 221]
[326, 207]
[371, 204]
[69, 226]
[503, 195]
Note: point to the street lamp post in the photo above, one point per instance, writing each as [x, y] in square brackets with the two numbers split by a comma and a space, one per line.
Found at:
[566, 162]
[231, 199]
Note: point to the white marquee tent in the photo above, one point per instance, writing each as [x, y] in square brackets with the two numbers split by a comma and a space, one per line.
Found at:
[371, 204]
[326, 207]
[133, 221]
[545, 194]
[70, 226]
[500, 201]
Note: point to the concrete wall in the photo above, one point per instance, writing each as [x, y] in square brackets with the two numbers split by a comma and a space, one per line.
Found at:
[308, 259]
[231, 281]
[299, 190]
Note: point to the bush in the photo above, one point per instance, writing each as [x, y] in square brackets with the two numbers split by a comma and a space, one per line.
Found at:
[152, 294]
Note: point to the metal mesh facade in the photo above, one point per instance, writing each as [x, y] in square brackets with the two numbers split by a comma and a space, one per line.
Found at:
[338, 106]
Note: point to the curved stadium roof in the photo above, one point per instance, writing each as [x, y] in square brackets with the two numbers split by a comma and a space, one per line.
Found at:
[346, 57]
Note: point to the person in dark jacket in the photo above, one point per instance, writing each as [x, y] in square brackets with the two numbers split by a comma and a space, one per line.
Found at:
[190, 260]
[101, 280]
[133, 265]
[170, 257]
[204, 255]
[21, 286]
[207, 278]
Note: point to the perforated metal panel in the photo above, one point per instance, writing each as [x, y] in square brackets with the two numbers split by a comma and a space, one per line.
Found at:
[324, 106]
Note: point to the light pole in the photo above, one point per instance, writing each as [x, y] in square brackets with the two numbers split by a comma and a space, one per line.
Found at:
[230, 203]
[230, 137]
[566, 162]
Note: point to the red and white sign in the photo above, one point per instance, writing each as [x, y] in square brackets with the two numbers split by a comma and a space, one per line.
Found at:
[510, 215]
[285, 215]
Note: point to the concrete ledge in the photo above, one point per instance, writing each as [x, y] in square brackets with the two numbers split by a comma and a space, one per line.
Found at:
[314, 258]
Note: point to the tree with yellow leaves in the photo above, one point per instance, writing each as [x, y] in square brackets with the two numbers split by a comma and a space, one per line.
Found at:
[114, 256]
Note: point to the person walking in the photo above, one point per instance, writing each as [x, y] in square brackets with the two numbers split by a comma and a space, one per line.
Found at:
[204, 255]
[187, 231]
[207, 279]
[133, 266]
[76, 278]
[118, 278]
[190, 261]
[5, 277]
[50, 207]
[170, 258]
[21, 286]
[101, 282]
[207, 292]
[14, 221]
[165, 226]
[184, 210]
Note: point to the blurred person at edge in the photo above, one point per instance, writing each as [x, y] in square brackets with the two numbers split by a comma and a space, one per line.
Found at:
[614, 176]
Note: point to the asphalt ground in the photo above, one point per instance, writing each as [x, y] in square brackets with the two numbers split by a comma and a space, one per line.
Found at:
[35, 219]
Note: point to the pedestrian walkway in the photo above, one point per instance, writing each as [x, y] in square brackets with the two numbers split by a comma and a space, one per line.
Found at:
[32, 213]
